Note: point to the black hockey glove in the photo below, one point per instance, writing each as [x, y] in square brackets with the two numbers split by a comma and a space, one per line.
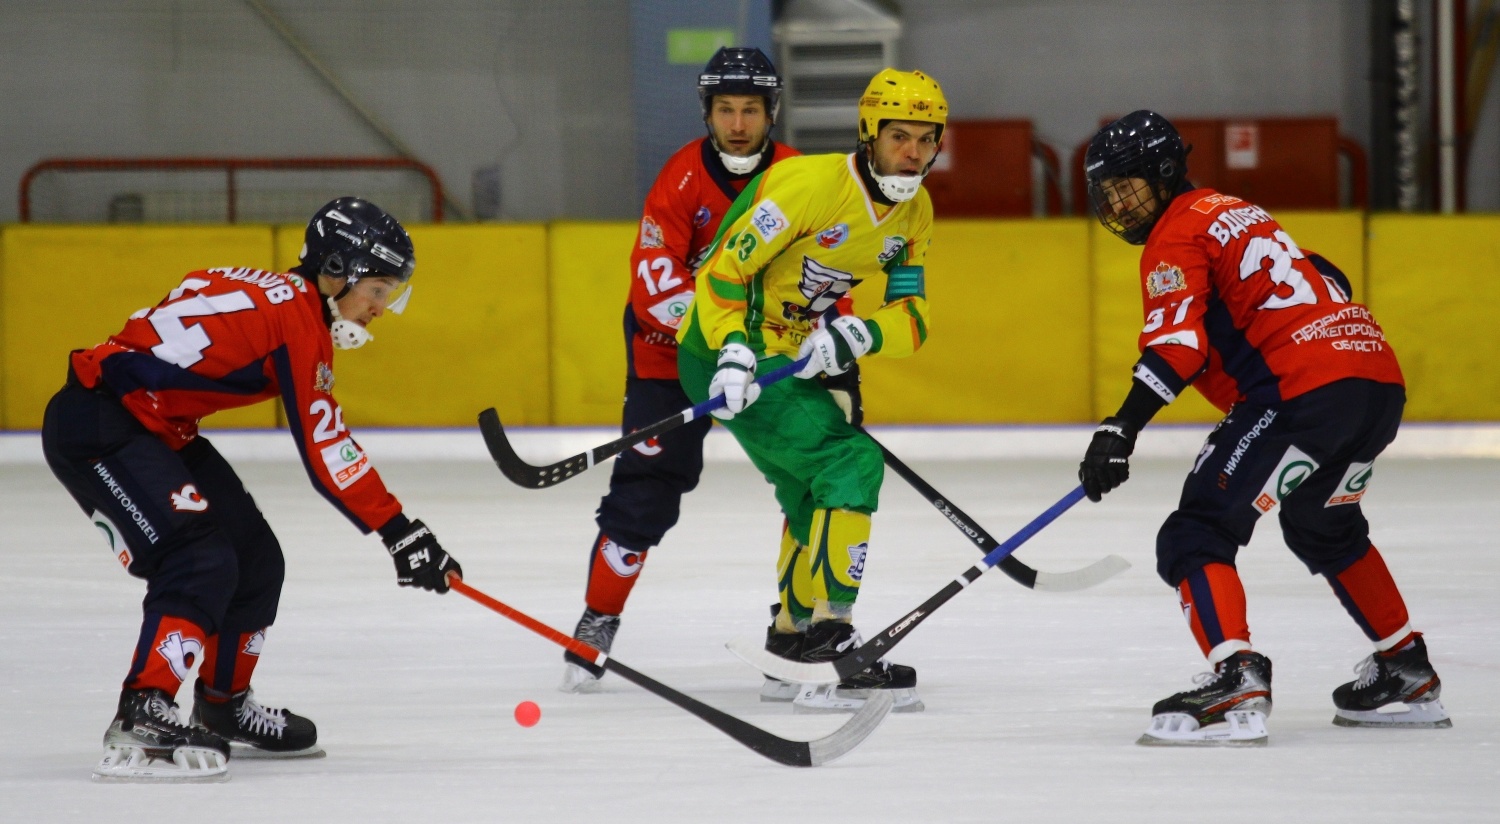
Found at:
[845, 390]
[420, 561]
[1106, 464]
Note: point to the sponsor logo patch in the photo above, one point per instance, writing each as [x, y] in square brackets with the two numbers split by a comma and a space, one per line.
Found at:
[1206, 205]
[113, 537]
[1294, 468]
[702, 217]
[1163, 279]
[823, 285]
[671, 310]
[187, 499]
[1352, 487]
[651, 447]
[834, 237]
[345, 461]
[768, 220]
[651, 234]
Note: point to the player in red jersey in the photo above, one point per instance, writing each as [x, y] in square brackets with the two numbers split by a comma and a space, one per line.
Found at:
[122, 436]
[1311, 393]
[740, 91]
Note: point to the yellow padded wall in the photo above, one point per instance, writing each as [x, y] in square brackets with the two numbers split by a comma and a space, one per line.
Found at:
[1009, 334]
[474, 335]
[590, 286]
[1118, 312]
[71, 287]
[1434, 283]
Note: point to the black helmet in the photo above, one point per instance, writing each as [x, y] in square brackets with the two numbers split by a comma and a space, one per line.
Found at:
[740, 70]
[1142, 145]
[351, 238]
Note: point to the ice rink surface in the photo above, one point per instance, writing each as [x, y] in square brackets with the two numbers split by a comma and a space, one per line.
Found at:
[1033, 699]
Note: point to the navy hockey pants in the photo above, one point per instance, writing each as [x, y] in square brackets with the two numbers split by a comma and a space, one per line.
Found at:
[648, 481]
[181, 520]
[1311, 455]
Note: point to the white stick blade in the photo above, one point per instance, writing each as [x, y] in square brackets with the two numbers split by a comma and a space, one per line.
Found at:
[854, 731]
[1090, 576]
[753, 652]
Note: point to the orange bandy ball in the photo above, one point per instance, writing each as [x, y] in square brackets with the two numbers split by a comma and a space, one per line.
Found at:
[528, 713]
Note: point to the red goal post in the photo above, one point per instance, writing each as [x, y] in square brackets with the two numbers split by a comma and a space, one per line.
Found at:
[231, 168]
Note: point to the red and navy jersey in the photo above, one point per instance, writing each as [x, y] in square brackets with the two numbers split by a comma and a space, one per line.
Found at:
[683, 210]
[233, 337]
[1234, 307]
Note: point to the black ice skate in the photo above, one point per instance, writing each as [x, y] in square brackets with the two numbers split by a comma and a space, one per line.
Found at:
[1394, 689]
[598, 631]
[783, 645]
[831, 640]
[1229, 708]
[147, 741]
[253, 730]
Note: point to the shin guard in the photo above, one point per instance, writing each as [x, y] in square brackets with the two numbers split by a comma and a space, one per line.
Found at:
[1369, 593]
[840, 541]
[165, 654]
[613, 571]
[794, 584]
[1213, 602]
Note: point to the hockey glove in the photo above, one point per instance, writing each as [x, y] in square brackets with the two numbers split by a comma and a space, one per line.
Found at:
[420, 561]
[835, 346]
[1106, 464]
[845, 391]
[735, 380]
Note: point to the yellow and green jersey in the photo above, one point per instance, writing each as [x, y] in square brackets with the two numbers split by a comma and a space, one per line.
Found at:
[797, 239]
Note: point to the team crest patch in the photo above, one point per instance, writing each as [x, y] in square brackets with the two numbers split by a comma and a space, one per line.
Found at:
[1163, 279]
[650, 234]
[768, 220]
[672, 310]
[834, 237]
[702, 217]
[857, 555]
[1294, 468]
[323, 380]
[890, 248]
[823, 285]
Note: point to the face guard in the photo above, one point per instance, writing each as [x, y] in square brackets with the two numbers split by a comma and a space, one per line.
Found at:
[1134, 167]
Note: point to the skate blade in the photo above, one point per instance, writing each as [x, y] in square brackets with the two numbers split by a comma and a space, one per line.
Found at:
[240, 749]
[185, 765]
[1429, 715]
[776, 690]
[578, 681]
[815, 699]
[1240, 728]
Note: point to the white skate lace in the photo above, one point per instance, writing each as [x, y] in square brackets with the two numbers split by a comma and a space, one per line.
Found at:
[1368, 671]
[163, 710]
[855, 641]
[261, 720]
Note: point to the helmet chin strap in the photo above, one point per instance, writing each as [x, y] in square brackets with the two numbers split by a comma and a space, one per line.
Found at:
[897, 188]
[346, 333]
[739, 165]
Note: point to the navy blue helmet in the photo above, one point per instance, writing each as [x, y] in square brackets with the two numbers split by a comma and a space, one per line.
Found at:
[740, 70]
[352, 238]
[1141, 146]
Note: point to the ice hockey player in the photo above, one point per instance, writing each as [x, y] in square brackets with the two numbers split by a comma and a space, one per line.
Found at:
[1312, 394]
[122, 436]
[740, 91]
[801, 236]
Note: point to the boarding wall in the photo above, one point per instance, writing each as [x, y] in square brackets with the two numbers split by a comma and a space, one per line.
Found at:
[1033, 321]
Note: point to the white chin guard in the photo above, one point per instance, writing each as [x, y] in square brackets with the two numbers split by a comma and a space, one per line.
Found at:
[741, 165]
[346, 333]
[897, 188]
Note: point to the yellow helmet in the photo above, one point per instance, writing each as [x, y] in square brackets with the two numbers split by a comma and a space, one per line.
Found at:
[898, 95]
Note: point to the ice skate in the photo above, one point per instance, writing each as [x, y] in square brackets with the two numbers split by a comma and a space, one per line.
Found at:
[831, 640]
[1229, 708]
[148, 742]
[254, 730]
[598, 631]
[785, 645]
[1394, 689]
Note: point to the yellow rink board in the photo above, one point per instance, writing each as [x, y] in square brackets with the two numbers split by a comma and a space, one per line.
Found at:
[1008, 338]
[590, 265]
[1119, 316]
[474, 335]
[71, 287]
[1434, 283]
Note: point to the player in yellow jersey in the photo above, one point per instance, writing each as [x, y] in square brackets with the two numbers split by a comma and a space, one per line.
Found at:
[799, 237]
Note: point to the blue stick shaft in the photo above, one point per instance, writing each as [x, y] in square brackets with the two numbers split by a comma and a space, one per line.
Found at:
[767, 379]
[1034, 527]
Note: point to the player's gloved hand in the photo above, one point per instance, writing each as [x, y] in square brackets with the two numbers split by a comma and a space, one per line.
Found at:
[834, 346]
[1106, 464]
[845, 391]
[735, 380]
[420, 561]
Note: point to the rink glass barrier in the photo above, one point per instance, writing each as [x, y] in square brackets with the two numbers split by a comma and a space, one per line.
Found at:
[1033, 321]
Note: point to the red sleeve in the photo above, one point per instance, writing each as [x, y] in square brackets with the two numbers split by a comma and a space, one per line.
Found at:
[335, 462]
[659, 264]
[1176, 287]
